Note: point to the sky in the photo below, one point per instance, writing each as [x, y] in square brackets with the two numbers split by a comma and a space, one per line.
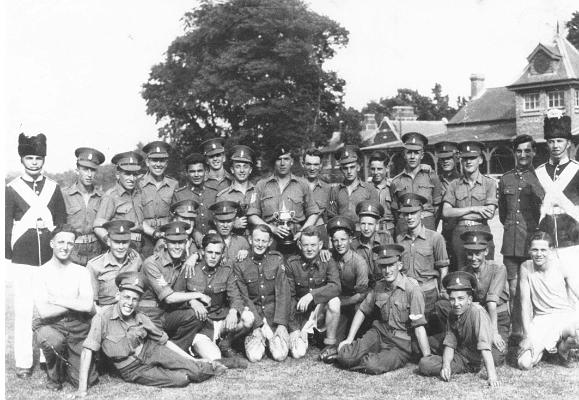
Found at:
[74, 69]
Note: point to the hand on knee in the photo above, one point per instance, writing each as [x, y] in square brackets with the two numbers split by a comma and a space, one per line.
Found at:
[525, 361]
[247, 319]
[334, 305]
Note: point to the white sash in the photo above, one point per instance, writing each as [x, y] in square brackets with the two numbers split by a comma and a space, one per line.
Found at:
[38, 207]
[555, 200]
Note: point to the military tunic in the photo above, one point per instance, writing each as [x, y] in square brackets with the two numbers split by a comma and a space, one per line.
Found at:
[365, 250]
[205, 196]
[263, 285]
[218, 184]
[80, 214]
[385, 198]
[343, 202]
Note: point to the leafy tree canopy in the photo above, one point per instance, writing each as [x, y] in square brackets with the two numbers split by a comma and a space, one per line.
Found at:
[573, 29]
[251, 70]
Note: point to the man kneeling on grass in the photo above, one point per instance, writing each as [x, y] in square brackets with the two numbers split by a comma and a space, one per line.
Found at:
[545, 287]
[139, 350]
[398, 334]
[468, 334]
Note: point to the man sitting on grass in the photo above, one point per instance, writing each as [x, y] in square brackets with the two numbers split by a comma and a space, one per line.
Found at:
[545, 287]
[139, 350]
[468, 337]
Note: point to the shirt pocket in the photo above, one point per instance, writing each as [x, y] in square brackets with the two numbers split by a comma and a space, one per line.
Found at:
[296, 204]
[320, 281]
[425, 256]
[510, 190]
[402, 313]
[74, 210]
[124, 208]
[252, 282]
[269, 205]
[478, 194]
[116, 347]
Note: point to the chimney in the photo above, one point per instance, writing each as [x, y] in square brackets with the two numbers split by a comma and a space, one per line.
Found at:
[477, 85]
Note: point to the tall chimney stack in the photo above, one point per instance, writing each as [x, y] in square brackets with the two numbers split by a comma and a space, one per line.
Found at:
[477, 85]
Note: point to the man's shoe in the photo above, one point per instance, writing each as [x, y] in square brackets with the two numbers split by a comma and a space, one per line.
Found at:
[565, 362]
[23, 373]
[233, 362]
[225, 348]
[329, 354]
[54, 386]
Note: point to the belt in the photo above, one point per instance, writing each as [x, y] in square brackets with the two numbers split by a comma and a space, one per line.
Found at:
[126, 362]
[503, 308]
[468, 222]
[88, 238]
[136, 237]
[429, 285]
[156, 221]
[400, 334]
[555, 210]
[149, 303]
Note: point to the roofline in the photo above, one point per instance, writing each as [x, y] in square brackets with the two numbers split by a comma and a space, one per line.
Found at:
[542, 84]
[566, 61]
[480, 121]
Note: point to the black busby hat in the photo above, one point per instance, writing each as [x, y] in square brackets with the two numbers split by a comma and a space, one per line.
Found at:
[32, 145]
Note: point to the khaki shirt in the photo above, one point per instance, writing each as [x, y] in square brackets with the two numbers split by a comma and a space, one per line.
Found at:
[79, 214]
[424, 183]
[491, 283]
[118, 203]
[205, 196]
[469, 333]
[344, 204]
[365, 250]
[461, 195]
[353, 273]
[157, 201]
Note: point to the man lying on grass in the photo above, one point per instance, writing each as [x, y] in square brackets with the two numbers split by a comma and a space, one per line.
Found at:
[468, 334]
[139, 350]
[545, 288]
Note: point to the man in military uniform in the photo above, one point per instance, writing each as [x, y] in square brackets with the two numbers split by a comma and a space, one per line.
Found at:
[264, 288]
[446, 153]
[468, 339]
[82, 201]
[124, 200]
[196, 189]
[241, 190]
[157, 191]
[560, 180]
[167, 302]
[142, 352]
[217, 177]
[220, 313]
[312, 165]
[236, 246]
[416, 179]
[186, 211]
[353, 272]
[550, 320]
[425, 257]
[345, 196]
[491, 290]
[120, 257]
[63, 310]
[33, 207]
[283, 191]
[369, 214]
[315, 290]
[520, 197]
[378, 166]
[472, 199]
[398, 335]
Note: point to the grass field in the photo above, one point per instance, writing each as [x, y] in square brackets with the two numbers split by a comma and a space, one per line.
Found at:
[309, 378]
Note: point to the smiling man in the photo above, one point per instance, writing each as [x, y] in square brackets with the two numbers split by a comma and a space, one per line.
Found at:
[468, 340]
[236, 246]
[399, 329]
[82, 201]
[142, 352]
[123, 201]
[472, 199]
[378, 166]
[33, 207]
[157, 191]
[312, 165]
[217, 177]
[63, 301]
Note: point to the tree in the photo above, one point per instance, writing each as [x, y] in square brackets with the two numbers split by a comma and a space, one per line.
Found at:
[251, 70]
[425, 108]
[573, 30]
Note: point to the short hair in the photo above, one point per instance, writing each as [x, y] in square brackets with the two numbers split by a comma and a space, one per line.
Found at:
[379, 156]
[311, 231]
[524, 139]
[540, 235]
[262, 228]
[211, 238]
[312, 151]
[67, 228]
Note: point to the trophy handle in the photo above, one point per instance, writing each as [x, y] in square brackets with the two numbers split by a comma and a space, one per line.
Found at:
[292, 213]
[276, 215]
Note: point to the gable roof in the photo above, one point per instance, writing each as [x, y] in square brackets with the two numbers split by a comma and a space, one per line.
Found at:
[392, 135]
[494, 104]
[568, 68]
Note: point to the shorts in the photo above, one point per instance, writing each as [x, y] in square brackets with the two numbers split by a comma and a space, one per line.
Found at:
[546, 330]
[513, 264]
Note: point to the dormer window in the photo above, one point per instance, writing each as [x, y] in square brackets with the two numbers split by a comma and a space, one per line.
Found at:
[541, 63]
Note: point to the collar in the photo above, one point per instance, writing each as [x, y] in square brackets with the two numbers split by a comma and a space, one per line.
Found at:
[76, 189]
[318, 183]
[346, 257]
[27, 178]
[192, 188]
[400, 283]
[452, 175]
[212, 175]
[559, 164]
[382, 185]
[354, 185]
[111, 260]
[208, 270]
[274, 177]
[148, 179]
[121, 190]
[236, 187]
[315, 263]
[421, 233]
[478, 178]
[166, 259]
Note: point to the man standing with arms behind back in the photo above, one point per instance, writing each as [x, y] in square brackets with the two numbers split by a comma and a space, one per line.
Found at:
[34, 205]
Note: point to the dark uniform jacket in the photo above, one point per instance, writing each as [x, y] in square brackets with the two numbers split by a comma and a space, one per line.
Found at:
[205, 196]
[520, 197]
[264, 287]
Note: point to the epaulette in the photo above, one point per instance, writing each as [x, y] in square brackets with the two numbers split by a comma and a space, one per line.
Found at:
[223, 191]
[94, 259]
[181, 188]
[400, 174]
[170, 178]
[276, 253]
[294, 257]
[412, 281]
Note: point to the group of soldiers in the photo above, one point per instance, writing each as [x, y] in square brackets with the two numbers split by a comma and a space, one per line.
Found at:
[167, 285]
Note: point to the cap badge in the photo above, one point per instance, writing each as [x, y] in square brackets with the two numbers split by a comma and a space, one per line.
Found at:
[467, 147]
[90, 156]
[224, 209]
[177, 229]
[189, 208]
[457, 281]
[158, 149]
[474, 239]
[136, 282]
[338, 222]
[241, 154]
[213, 146]
[407, 202]
[369, 207]
[121, 228]
[413, 140]
[130, 160]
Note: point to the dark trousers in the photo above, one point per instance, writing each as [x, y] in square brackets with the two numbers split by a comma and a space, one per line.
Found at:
[61, 341]
[182, 326]
[458, 245]
[159, 366]
[377, 352]
[83, 252]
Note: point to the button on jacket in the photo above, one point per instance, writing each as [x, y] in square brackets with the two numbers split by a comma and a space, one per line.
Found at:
[78, 213]
[157, 200]
[263, 285]
[424, 183]
[118, 203]
[423, 255]
[205, 196]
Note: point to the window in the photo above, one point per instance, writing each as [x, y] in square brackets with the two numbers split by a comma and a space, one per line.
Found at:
[531, 101]
[576, 97]
[556, 99]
